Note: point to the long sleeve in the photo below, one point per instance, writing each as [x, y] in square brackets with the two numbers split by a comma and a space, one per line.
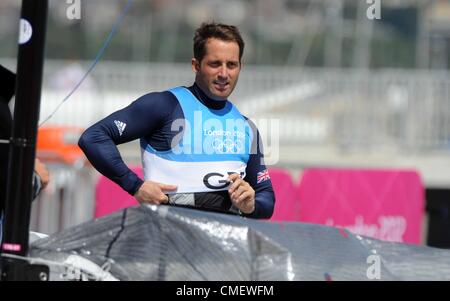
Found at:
[258, 177]
[139, 119]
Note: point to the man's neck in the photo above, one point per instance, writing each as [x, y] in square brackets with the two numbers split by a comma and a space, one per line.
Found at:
[204, 99]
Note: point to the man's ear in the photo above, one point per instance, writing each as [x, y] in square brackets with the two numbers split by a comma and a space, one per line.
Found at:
[195, 65]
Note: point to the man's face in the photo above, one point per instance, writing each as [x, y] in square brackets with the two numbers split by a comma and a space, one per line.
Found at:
[217, 73]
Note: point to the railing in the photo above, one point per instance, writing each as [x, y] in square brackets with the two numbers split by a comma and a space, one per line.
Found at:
[68, 199]
[404, 110]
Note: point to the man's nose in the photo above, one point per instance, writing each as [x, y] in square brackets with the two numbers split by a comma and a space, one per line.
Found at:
[223, 72]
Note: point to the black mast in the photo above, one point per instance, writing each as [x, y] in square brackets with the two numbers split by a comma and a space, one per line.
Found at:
[22, 149]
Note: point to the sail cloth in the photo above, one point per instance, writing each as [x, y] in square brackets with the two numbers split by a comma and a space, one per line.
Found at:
[174, 243]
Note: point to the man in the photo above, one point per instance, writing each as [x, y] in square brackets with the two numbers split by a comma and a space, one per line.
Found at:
[197, 149]
[41, 175]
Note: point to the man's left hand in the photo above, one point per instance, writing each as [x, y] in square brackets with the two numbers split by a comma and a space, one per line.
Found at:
[43, 173]
[241, 194]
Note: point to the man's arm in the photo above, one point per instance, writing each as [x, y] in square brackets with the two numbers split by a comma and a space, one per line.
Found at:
[139, 119]
[254, 195]
[258, 177]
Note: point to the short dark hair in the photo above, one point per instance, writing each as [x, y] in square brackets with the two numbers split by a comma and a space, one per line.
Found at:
[219, 31]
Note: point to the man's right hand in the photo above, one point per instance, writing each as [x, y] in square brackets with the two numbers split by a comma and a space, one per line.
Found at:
[153, 193]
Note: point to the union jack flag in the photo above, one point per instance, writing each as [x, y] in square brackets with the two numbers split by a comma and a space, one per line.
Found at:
[262, 176]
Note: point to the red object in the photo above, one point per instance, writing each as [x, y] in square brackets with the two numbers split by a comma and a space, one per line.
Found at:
[383, 204]
[287, 206]
[59, 144]
[110, 197]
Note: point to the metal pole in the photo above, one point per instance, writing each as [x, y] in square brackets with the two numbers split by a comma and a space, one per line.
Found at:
[23, 141]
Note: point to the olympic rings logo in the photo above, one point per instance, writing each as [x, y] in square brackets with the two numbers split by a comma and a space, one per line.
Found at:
[227, 146]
